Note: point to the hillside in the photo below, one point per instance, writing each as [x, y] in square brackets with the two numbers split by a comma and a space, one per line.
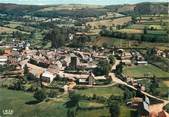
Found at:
[78, 10]
[141, 8]
[152, 8]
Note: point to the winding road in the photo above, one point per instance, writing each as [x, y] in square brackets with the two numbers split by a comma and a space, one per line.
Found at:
[156, 108]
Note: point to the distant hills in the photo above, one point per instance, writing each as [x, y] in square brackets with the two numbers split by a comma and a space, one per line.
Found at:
[141, 8]
[79, 10]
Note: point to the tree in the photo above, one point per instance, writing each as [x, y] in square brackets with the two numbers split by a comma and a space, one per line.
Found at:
[40, 95]
[119, 69]
[57, 36]
[111, 59]
[74, 98]
[134, 19]
[103, 68]
[154, 84]
[73, 104]
[114, 107]
[145, 30]
[26, 70]
[1, 51]
[52, 94]
[17, 85]
[105, 45]
[127, 94]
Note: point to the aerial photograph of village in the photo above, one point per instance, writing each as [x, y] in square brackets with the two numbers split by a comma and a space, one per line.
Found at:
[84, 58]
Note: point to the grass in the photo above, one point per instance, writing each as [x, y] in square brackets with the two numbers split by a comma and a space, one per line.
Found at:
[140, 71]
[124, 112]
[106, 92]
[131, 31]
[94, 113]
[37, 40]
[15, 100]
[87, 104]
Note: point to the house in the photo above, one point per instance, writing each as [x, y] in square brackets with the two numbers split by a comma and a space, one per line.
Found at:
[47, 77]
[141, 62]
[3, 60]
[163, 114]
[35, 71]
[127, 62]
[143, 107]
[91, 79]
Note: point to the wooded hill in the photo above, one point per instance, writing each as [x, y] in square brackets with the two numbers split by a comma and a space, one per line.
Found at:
[82, 10]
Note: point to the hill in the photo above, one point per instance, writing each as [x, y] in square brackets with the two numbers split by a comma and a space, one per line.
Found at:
[79, 10]
[141, 8]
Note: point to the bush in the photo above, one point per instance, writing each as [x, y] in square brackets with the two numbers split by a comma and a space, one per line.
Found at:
[40, 95]
[52, 94]
[166, 108]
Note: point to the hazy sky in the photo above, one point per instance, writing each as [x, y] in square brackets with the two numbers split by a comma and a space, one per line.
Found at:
[99, 2]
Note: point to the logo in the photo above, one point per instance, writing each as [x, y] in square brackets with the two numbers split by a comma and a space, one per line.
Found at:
[7, 112]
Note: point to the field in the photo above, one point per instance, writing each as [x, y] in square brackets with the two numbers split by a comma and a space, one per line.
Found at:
[127, 44]
[142, 26]
[14, 24]
[106, 92]
[16, 100]
[5, 29]
[141, 71]
[124, 112]
[133, 31]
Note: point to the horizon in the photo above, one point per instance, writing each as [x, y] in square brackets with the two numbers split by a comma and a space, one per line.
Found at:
[87, 2]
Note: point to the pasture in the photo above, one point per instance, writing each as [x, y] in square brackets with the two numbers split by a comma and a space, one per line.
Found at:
[144, 71]
[106, 92]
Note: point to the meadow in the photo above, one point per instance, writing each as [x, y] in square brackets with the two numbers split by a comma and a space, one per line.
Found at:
[145, 70]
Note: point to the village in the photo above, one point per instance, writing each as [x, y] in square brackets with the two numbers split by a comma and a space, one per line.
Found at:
[84, 60]
[76, 68]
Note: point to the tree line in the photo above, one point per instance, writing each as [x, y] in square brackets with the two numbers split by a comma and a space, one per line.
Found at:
[138, 37]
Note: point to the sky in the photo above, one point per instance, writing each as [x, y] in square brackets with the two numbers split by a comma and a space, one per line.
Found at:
[97, 2]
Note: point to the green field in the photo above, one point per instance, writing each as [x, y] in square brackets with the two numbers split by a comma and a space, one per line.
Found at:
[16, 100]
[141, 71]
[124, 112]
[106, 92]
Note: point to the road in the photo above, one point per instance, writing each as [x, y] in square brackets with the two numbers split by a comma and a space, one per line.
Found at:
[156, 108]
